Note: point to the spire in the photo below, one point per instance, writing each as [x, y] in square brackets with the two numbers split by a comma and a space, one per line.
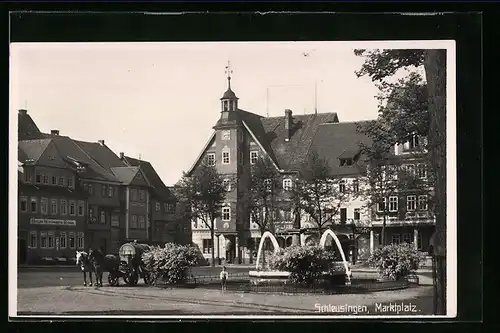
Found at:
[229, 71]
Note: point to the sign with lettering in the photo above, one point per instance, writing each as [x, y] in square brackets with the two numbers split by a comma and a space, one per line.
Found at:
[53, 222]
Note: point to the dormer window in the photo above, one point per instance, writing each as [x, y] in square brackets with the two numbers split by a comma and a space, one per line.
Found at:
[346, 162]
[412, 143]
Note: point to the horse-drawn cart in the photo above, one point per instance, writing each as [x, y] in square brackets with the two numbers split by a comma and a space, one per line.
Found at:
[131, 267]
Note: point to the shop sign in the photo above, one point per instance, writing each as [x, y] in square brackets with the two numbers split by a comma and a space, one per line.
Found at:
[53, 222]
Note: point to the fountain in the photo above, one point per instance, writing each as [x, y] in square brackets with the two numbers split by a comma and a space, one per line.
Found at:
[281, 276]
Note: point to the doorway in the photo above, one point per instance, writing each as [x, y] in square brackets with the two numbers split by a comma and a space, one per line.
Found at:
[21, 251]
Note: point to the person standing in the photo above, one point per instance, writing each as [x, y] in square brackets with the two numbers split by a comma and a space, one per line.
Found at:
[223, 278]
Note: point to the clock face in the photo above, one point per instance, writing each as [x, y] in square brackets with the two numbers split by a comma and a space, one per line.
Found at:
[226, 135]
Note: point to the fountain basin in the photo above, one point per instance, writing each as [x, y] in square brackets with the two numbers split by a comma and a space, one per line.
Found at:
[281, 277]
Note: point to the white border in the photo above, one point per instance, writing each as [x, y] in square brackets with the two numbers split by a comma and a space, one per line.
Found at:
[451, 298]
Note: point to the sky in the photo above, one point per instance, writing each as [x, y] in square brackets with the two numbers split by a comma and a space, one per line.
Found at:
[159, 101]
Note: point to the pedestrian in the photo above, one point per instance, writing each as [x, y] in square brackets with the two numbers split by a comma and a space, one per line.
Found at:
[223, 278]
[348, 274]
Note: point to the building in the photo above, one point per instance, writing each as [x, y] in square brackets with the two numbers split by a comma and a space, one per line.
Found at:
[165, 224]
[75, 195]
[241, 137]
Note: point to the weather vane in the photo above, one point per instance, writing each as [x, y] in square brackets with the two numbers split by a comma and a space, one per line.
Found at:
[229, 70]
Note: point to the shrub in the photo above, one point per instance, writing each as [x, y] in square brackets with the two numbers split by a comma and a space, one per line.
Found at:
[395, 261]
[306, 264]
[171, 263]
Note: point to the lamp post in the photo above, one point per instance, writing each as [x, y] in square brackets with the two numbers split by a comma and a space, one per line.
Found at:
[218, 248]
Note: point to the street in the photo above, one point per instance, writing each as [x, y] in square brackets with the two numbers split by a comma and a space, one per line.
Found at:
[61, 291]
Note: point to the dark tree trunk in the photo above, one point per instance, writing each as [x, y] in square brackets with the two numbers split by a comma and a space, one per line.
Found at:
[212, 236]
[382, 235]
[435, 70]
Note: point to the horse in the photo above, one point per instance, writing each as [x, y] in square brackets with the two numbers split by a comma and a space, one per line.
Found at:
[82, 260]
[103, 263]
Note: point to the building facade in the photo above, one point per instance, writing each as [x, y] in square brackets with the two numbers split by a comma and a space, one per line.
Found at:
[241, 137]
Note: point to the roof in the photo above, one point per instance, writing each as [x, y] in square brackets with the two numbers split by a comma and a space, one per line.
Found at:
[32, 149]
[125, 174]
[229, 94]
[101, 154]
[332, 141]
[154, 179]
[27, 128]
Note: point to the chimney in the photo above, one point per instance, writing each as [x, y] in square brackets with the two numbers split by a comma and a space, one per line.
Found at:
[23, 112]
[122, 156]
[288, 124]
[54, 132]
[101, 142]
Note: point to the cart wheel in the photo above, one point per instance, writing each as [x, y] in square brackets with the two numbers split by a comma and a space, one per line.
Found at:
[113, 279]
[132, 279]
[147, 279]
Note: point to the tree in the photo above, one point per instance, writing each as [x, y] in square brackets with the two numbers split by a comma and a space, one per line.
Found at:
[387, 177]
[383, 64]
[261, 198]
[204, 193]
[318, 193]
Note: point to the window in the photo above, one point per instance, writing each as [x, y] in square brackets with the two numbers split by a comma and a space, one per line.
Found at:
[90, 188]
[104, 191]
[134, 194]
[70, 182]
[80, 240]
[158, 206]
[33, 240]
[225, 157]
[72, 208]
[419, 241]
[38, 178]
[410, 168]
[343, 215]
[407, 238]
[421, 170]
[356, 214]
[381, 205]
[211, 159]
[61, 180]
[412, 143]
[254, 156]
[45, 179]
[346, 162]
[81, 208]
[44, 206]
[50, 240]
[23, 204]
[115, 220]
[227, 184]
[43, 240]
[411, 202]
[110, 191]
[133, 222]
[142, 224]
[102, 217]
[207, 246]
[142, 195]
[226, 213]
[268, 184]
[28, 176]
[422, 202]
[287, 184]
[54, 180]
[53, 207]
[63, 240]
[342, 186]
[34, 204]
[355, 185]
[169, 207]
[64, 207]
[241, 157]
[396, 239]
[287, 215]
[72, 242]
[393, 204]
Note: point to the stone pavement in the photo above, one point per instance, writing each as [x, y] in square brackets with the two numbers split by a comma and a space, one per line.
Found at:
[151, 300]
